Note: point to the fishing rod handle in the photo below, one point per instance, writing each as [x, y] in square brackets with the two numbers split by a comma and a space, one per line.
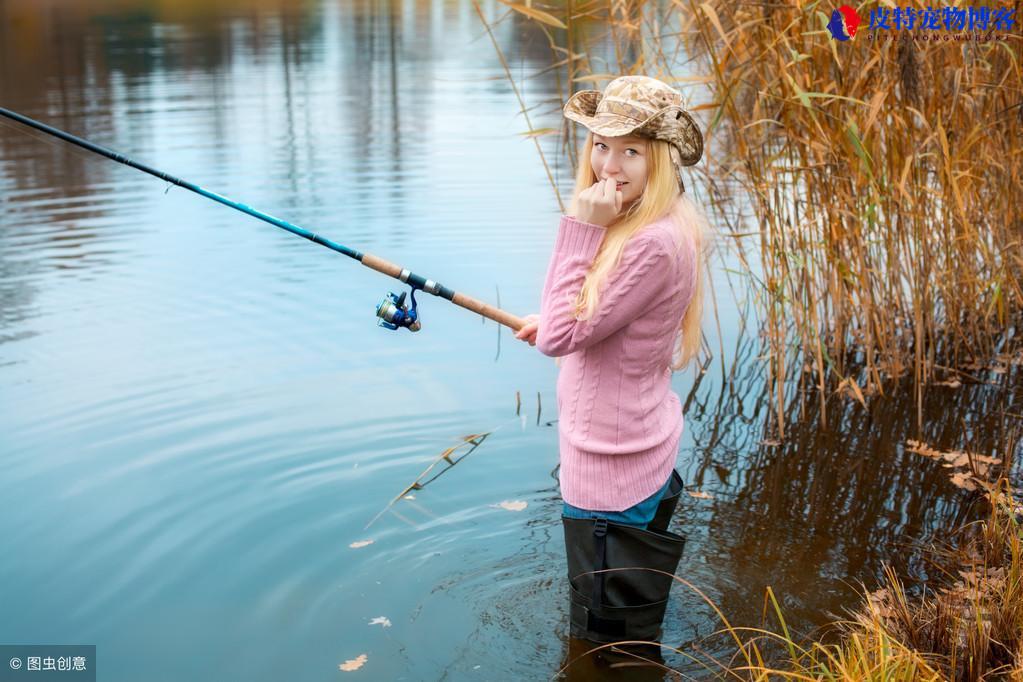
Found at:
[486, 310]
[498, 315]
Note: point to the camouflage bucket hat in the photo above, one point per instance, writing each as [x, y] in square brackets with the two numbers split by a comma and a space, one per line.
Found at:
[641, 106]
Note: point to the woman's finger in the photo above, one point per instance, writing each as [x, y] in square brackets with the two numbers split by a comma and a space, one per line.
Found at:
[528, 335]
[526, 330]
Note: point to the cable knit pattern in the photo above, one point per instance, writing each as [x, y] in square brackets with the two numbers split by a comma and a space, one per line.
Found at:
[619, 422]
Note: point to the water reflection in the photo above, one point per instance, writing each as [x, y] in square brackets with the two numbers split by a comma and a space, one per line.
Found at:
[200, 417]
[826, 509]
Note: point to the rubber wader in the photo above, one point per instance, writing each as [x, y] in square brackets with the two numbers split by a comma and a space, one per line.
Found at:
[620, 604]
[666, 508]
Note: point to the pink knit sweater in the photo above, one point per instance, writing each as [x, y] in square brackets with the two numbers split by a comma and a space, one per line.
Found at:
[619, 422]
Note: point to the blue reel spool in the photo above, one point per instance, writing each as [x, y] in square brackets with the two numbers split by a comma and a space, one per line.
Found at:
[393, 312]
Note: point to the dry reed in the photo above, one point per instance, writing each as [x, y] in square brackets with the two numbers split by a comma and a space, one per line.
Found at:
[884, 175]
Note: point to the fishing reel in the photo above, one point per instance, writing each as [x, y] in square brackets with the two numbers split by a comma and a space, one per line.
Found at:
[393, 312]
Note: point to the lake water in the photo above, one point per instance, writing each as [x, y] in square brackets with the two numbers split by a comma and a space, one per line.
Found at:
[199, 415]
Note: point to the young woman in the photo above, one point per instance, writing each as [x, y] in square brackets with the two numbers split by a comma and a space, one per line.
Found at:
[621, 308]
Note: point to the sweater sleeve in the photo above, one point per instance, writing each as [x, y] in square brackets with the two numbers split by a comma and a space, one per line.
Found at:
[627, 293]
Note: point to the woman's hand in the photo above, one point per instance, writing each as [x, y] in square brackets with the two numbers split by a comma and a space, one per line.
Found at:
[529, 329]
[600, 204]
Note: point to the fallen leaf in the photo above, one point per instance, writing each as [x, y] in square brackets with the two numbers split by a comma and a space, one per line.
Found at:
[354, 663]
[964, 481]
[513, 505]
[700, 495]
[922, 449]
[956, 458]
[360, 543]
[381, 620]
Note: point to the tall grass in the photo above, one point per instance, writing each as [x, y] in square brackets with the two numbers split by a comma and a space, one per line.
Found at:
[972, 627]
[885, 175]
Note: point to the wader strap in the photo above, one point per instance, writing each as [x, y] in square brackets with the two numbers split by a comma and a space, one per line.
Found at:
[600, 544]
[607, 626]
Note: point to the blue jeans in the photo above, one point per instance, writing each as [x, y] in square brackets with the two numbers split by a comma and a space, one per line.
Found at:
[639, 514]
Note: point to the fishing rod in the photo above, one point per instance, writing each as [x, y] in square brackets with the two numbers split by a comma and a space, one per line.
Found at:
[392, 310]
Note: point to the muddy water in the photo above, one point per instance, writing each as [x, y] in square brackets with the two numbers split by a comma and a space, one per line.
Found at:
[199, 416]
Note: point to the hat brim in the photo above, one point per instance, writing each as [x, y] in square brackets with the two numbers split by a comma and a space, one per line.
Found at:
[582, 106]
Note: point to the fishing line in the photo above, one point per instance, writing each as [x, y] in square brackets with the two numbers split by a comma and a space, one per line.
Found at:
[392, 311]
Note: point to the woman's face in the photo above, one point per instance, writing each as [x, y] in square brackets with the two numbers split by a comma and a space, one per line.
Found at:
[624, 159]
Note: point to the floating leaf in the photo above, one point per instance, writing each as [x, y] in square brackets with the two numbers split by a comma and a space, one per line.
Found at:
[513, 505]
[922, 449]
[360, 543]
[354, 663]
[956, 458]
[700, 495]
[964, 481]
[381, 620]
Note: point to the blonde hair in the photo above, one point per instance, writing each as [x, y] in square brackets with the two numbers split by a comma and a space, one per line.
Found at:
[661, 196]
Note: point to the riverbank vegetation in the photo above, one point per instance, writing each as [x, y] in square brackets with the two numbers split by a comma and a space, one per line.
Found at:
[969, 627]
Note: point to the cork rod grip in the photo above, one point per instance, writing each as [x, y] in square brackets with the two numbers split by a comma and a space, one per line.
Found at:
[380, 265]
[486, 310]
